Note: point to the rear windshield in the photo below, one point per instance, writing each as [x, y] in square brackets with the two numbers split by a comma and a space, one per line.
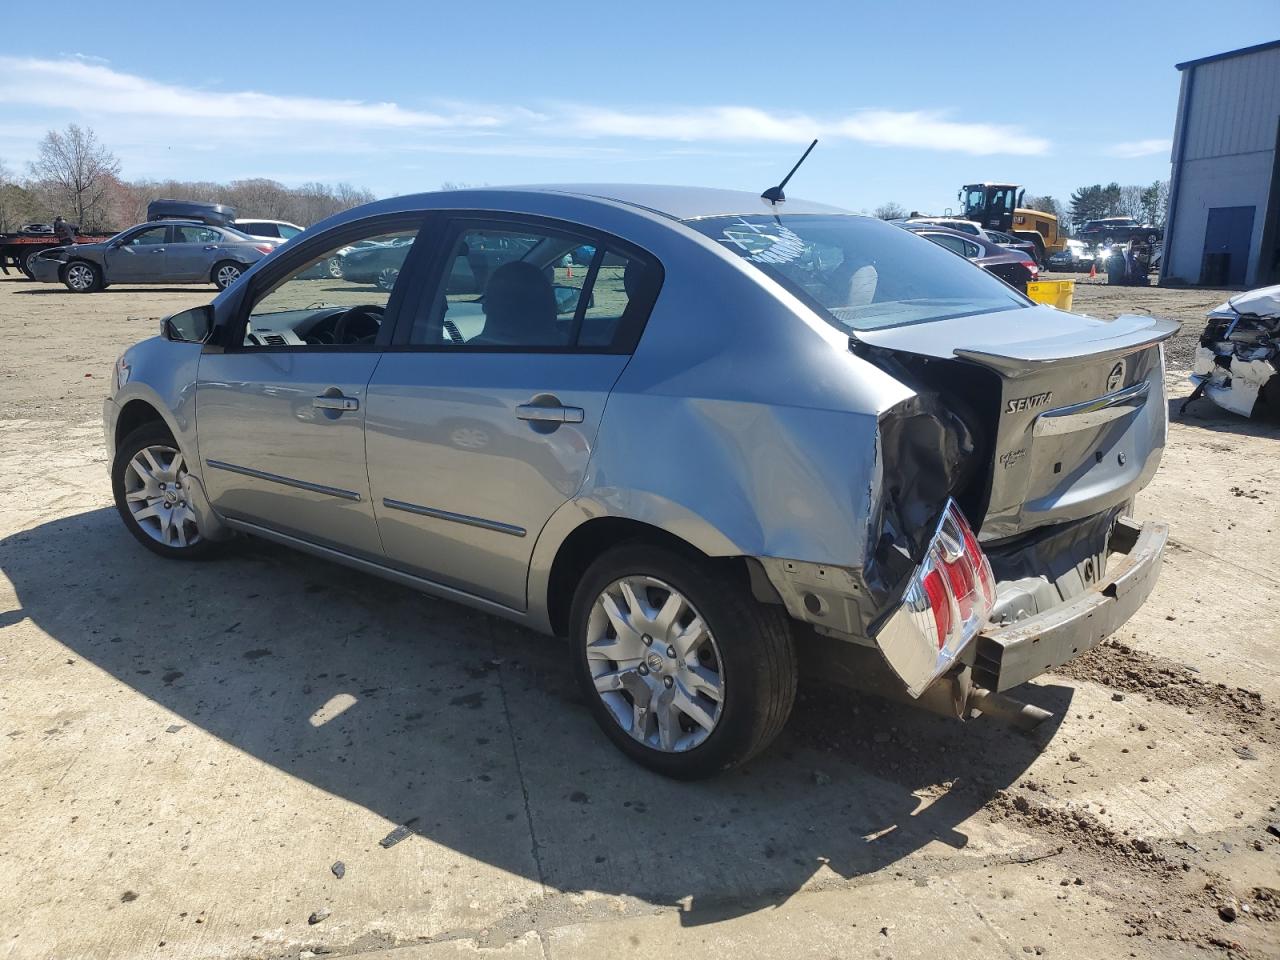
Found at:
[863, 273]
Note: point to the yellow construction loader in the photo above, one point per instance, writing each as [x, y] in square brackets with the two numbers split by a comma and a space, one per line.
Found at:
[998, 206]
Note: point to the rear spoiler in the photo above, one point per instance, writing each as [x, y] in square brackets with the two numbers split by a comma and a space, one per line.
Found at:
[1125, 334]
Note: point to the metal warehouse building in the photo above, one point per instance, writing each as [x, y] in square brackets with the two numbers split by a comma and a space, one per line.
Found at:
[1223, 224]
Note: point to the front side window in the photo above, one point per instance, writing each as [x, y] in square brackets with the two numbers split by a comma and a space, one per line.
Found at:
[335, 298]
[149, 237]
[533, 288]
[286, 231]
[861, 273]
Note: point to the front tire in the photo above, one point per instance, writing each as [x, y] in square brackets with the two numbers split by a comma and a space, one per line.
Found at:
[81, 276]
[683, 669]
[226, 273]
[152, 485]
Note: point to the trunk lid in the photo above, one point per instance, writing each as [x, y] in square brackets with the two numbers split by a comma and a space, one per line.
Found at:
[1081, 418]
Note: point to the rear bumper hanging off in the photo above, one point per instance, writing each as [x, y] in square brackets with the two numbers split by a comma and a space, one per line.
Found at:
[1006, 656]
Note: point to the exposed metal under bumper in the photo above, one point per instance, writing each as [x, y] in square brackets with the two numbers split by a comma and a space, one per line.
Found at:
[1008, 656]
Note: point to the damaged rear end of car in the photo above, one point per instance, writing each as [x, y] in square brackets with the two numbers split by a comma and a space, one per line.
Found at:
[999, 543]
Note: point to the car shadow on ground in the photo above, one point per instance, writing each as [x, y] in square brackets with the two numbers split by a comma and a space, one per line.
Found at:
[470, 730]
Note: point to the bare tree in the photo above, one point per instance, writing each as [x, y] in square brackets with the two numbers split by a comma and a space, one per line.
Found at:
[890, 211]
[77, 173]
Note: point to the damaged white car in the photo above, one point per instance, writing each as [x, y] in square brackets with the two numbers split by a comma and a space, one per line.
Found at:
[1237, 364]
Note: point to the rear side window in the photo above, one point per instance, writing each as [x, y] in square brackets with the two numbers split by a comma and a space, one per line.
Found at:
[514, 287]
[196, 235]
[860, 273]
[258, 229]
[286, 231]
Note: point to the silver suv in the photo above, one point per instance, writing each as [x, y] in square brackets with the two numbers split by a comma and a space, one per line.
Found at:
[710, 441]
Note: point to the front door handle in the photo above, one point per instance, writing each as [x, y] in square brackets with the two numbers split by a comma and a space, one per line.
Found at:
[549, 414]
[211, 246]
[335, 403]
[158, 250]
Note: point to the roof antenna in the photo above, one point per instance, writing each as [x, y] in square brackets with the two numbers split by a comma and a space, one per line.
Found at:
[774, 195]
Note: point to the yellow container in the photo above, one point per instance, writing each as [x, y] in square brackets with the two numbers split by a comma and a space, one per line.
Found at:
[1053, 293]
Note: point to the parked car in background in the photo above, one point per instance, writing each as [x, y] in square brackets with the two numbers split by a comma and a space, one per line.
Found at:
[1010, 242]
[1114, 230]
[376, 263]
[1014, 267]
[168, 251]
[1076, 256]
[951, 223]
[739, 441]
[268, 229]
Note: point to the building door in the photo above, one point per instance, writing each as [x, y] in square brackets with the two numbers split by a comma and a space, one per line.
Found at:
[1227, 238]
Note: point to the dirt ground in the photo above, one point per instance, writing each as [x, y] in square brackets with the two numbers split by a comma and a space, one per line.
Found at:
[190, 750]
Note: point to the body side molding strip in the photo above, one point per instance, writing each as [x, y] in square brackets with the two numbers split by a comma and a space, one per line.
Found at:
[496, 526]
[286, 481]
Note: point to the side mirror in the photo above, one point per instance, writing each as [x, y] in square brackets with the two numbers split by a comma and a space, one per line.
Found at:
[189, 326]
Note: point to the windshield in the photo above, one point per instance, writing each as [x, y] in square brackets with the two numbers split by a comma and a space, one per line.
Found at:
[864, 274]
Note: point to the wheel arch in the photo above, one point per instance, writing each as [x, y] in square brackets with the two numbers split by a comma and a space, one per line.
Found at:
[582, 530]
[134, 414]
[213, 271]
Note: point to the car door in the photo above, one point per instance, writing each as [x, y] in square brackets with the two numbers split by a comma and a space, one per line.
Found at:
[139, 257]
[482, 420]
[280, 412]
[193, 251]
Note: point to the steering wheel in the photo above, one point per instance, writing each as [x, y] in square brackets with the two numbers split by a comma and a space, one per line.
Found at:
[358, 324]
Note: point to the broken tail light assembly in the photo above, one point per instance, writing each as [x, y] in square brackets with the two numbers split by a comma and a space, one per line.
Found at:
[946, 603]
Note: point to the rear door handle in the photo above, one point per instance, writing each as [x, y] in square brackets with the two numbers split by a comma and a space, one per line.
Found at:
[551, 414]
[158, 250]
[335, 403]
[211, 246]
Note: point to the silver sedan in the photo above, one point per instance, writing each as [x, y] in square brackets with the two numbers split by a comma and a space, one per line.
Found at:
[709, 439]
[160, 252]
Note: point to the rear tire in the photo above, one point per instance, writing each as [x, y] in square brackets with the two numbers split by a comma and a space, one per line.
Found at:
[721, 641]
[151, 485]
[225, 273]
[80, 276]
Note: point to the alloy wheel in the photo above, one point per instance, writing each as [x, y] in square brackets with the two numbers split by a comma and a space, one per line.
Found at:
[387, 278]
[80, 276]
[156, 491]
[335, 268]
[654, 664]
[227, 275]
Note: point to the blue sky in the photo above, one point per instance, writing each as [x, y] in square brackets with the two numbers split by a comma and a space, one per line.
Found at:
[909, 99]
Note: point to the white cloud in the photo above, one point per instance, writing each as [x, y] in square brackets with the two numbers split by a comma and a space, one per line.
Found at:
[1139, 148]
[83, 86]
[131, 108]
[926, 130]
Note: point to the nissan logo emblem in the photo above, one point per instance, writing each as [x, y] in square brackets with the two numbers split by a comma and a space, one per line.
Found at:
[1115, 379]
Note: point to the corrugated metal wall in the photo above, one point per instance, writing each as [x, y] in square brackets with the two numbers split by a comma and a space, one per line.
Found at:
[1228, 156]
[1235, 106]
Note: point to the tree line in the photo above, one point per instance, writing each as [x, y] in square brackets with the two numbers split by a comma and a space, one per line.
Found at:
[76, 175]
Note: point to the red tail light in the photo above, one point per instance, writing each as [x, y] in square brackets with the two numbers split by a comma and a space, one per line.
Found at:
[946, 603]
[263, 247]
[1031, 268]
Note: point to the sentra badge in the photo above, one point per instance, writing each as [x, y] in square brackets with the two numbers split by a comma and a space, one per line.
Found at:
[1032, 402]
